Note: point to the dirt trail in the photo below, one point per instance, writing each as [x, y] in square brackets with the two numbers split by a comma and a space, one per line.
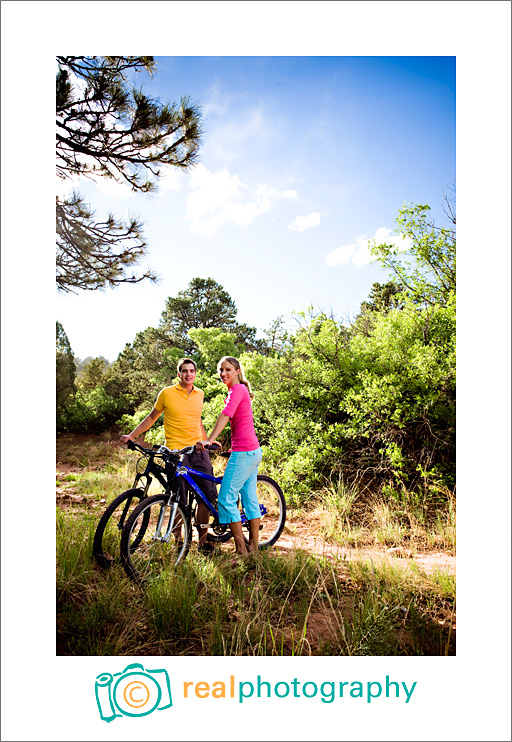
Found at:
[427, 561]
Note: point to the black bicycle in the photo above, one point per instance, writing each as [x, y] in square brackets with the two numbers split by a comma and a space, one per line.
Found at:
[158, 533]
[111, 523]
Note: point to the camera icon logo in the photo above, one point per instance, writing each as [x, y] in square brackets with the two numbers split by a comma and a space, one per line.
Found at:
[133, 692]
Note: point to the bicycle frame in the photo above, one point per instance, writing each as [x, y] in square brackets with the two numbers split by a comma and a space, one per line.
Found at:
[184, 472]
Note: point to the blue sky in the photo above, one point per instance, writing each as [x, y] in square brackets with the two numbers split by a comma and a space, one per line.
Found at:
[303, 160]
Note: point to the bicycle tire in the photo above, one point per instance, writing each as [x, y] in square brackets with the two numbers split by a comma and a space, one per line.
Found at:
[144, 554]
[270, 496]
[108, 531]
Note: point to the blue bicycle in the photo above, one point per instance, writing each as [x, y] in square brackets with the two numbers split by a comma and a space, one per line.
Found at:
[158, 533]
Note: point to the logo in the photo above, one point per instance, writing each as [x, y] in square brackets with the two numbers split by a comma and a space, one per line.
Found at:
[133, 692]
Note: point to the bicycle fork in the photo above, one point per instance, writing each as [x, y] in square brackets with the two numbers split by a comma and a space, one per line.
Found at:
[172, 516]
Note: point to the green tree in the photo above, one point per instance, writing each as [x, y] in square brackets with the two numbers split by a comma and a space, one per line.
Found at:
[214, 343]
[383, 296]
[92, 374]
[427, 270]
[65, 370]
[81, 363]
[203, 304]
[106, 127]
[141, 369]
[277, 338]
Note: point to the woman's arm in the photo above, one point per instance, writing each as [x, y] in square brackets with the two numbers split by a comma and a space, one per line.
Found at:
[219, 426]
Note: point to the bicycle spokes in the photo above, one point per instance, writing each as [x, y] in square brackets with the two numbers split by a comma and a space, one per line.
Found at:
[156, 538]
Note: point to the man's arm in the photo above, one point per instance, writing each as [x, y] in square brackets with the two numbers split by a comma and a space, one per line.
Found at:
[142, 426]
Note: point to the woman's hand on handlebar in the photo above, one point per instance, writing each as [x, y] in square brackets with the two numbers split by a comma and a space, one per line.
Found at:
[126, 438]
[213, 446]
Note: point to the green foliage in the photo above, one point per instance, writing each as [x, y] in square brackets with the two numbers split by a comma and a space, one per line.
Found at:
[277, 338]
[402, 400]
[92, 374]
[384, 296]
[90, 412]
[203, 304]
[143, 368]
[211, 411]
[427, 270]
[65, 370]
[212, 344]
[155, 435]
[379, 405]
[81, 363]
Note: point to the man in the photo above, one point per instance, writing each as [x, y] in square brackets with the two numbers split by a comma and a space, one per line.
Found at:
[182, 405]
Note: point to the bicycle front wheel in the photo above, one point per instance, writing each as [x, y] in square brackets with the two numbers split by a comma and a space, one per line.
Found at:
[156, 537]
[273, 511]
[108, 531]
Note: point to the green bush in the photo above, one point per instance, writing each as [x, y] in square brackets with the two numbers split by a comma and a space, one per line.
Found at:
[90, 412]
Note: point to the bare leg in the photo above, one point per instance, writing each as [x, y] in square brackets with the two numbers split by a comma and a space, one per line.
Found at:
[238, 535]
[254, 533]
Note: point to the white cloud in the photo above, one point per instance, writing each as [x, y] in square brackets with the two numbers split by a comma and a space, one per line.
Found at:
[233, 129]
[65, 187]
[219, 101]
[170, 180]
[301, 223]
[110, 187]
[340, 255]
[221, 198]
[358, 252]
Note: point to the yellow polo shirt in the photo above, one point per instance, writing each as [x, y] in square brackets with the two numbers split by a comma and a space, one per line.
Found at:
[182, 415]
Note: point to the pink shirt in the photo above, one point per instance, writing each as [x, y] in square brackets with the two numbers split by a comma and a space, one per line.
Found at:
[238, 407]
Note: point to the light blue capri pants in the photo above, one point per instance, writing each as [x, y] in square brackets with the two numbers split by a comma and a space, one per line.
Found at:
[240, 478]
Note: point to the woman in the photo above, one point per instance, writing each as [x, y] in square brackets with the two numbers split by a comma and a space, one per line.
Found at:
[242, 467]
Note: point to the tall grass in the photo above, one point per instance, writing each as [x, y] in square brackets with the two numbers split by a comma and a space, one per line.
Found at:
[354, 516]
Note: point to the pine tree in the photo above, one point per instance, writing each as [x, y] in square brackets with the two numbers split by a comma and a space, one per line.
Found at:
[66, 369]
[106, 127]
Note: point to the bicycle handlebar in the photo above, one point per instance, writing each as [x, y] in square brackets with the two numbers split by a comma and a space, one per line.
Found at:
[163, 450]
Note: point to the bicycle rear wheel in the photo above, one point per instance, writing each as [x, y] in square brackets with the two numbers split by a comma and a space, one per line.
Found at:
[156, 537]
[273, 511]
[108, 531]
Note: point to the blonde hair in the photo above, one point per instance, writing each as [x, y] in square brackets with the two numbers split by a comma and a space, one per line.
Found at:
[241, 377]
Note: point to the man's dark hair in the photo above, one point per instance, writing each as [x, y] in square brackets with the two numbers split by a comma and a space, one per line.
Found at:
[186, 360]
